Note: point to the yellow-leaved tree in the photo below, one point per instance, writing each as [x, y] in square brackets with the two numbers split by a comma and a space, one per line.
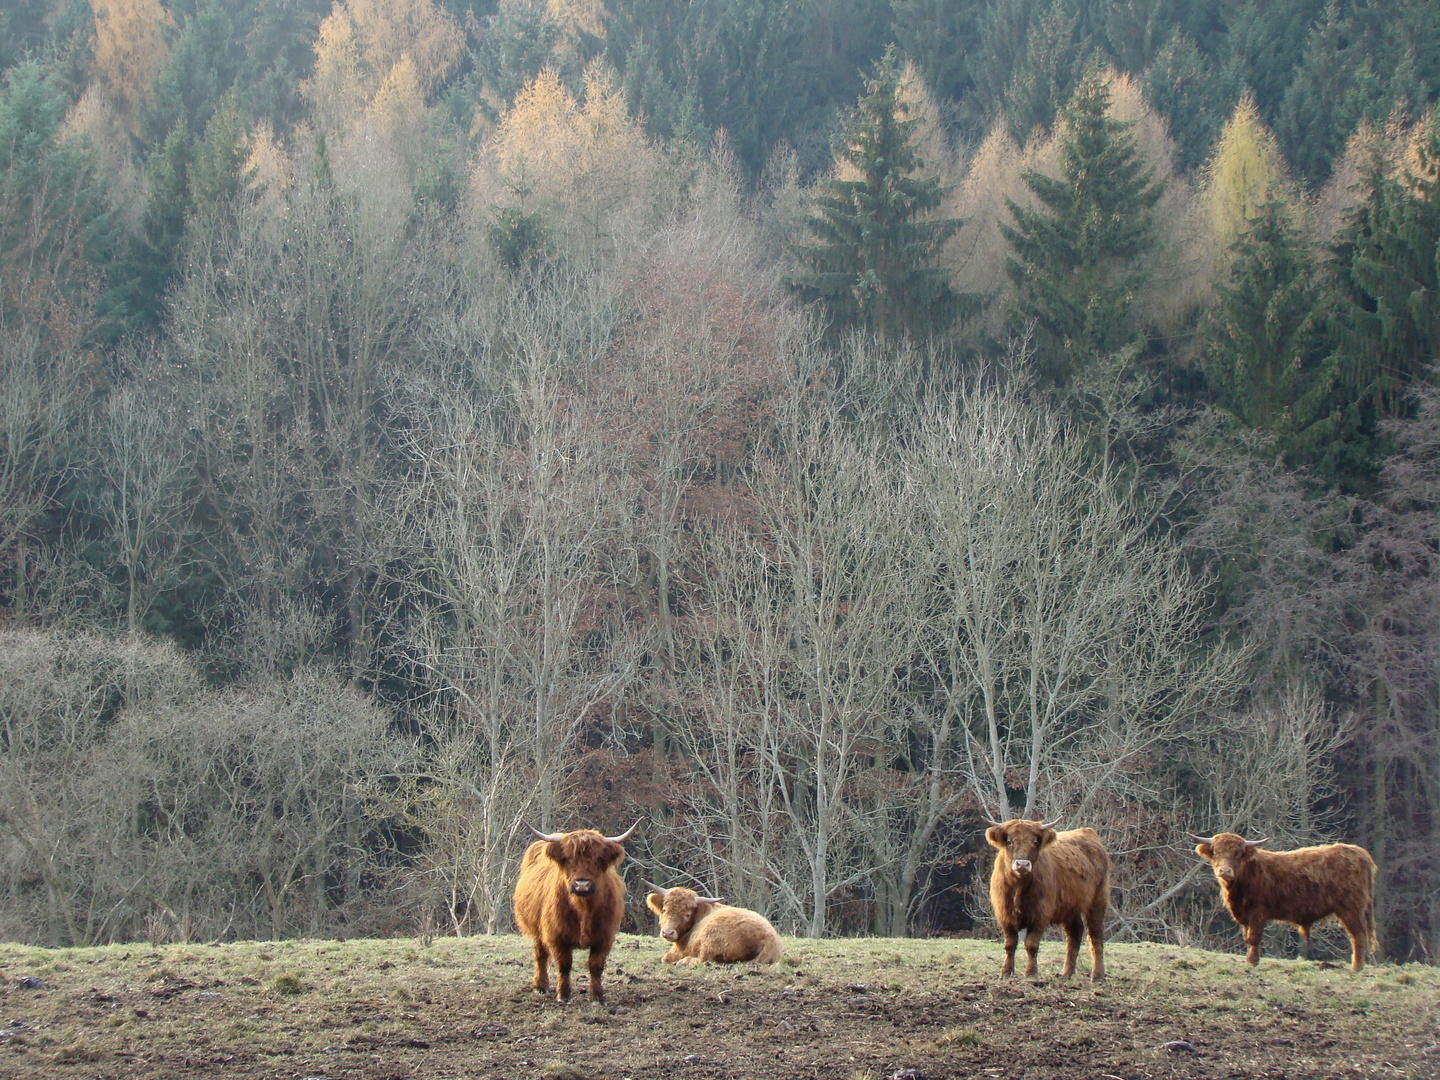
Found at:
[129, 49]
[1245, 171]
[587, 164]
[389, 55]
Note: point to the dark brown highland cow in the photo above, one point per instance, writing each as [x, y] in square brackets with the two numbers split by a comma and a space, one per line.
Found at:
[1043, 878]
[569, 896]
[1299, 887]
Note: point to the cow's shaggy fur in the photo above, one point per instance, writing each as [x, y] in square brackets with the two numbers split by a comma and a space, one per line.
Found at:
[569, 896]
[1300, 887]
[1043, 878]
[701, 930]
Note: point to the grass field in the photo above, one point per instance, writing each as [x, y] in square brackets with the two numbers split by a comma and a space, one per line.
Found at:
[865, 1009]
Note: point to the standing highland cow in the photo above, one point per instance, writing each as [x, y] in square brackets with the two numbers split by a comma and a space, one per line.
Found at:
[704, 929]
[1043, 878]
[569, 896]
[1300, 887]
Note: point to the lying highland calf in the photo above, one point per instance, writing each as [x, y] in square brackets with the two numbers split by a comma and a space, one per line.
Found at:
[1043, 878]
[705, 928]
[569, 896]
[1299, 887]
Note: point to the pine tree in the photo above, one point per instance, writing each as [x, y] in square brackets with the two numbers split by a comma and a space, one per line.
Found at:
[1077, 262]
[1385, 328]
[1263, 337]
[939, 36]
[871, 264]
[1055, 53]
[1184, 87]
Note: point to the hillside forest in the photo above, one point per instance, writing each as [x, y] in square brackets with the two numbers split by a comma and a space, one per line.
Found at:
[808, 427]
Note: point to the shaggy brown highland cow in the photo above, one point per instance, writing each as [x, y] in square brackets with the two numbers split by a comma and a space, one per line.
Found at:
[569, 896]
[704, 929]
[1300, 887]
[1043, 878]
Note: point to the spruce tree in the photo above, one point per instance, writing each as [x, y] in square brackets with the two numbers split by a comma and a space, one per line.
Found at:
[1385, 325]
[1078, 257]
[871, 263]
[1263, 336]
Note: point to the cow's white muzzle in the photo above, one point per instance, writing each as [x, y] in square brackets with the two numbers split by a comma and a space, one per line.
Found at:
[1021, 866]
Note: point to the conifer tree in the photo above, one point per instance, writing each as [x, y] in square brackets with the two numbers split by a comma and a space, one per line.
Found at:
[871, 262]
[1263, 337]
[1078, 257]
[1385, 328]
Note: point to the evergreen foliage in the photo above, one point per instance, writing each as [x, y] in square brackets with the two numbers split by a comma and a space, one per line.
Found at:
[1078, 256]
[871, 264]
[939, 37]
[1264, 336]
[1183, 85]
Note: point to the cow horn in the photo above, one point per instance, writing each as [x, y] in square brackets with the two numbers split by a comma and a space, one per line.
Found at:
[624, 835]
[1256, 843]
[709, 900]
[654, 888]
[1051, 824]
[991, 821]
[549, 838]
[1197, 836]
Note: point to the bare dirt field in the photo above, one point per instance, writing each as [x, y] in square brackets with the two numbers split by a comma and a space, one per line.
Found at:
[867, 1009]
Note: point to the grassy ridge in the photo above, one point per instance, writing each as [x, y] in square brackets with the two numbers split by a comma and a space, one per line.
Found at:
[857, 1009]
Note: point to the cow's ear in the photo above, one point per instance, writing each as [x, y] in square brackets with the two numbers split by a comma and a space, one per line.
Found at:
[1205, 851]
[656, 903]
[1047, 838]
[614, 853]
[996, 835]
[556, 851]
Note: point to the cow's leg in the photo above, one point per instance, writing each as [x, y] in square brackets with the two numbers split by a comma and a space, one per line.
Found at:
[563, 959]
[1073, 931]
[1253, 933]
[1032, 952]
[1304, 942]
[1095, 925]
[1012, 938]
[541, 982]
[596, 966]
[1359, 941]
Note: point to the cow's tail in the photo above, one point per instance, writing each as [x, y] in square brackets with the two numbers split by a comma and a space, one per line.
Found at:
[1372, 938]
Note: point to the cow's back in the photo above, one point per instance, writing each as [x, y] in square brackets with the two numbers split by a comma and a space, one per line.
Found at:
[731, 935]
[1309, 884]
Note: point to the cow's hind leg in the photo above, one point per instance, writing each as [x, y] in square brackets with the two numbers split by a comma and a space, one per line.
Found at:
[1073, 931]
[1253, 934]
[564, 957]
[1012, 938]
[1032, 952]
[1359, 940]
[541, 982]
[1095, 925]
[1304, 942]
[596, 966]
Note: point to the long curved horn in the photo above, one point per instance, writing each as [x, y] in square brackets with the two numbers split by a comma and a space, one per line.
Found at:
[550, 838]
[654, 888]
[990, 820]
[1202, 839]
[1051, 824]
[1256, 843]
[624, 835]
[709, 900]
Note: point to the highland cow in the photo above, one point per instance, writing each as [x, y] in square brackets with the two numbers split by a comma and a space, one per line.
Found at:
[1300, 887]
[569, 896]
[704, 929]
[1043, 878]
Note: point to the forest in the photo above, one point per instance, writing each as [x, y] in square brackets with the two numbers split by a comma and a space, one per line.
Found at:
[808, 427]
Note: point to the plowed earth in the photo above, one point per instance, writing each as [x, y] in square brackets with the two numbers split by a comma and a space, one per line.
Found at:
[867, 1009]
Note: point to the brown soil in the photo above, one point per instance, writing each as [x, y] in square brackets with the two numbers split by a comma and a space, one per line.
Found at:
[867, 1009]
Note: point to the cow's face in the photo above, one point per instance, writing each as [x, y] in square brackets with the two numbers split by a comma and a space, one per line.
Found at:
[1020, 843]
[1228, 854]
[678, 909]
[584, 857]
